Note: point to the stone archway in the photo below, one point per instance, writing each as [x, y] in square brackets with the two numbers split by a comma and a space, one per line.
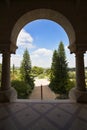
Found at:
[42, 14]
[13, 27]
[79, 93]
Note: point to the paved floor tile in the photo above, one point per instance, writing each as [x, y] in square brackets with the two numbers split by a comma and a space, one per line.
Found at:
[83, 114]
[8, 124]
[43, 124]
[26, 116]
[42, 107]
[71, 108]
[3, 112]
[78, 125]
[59, 117]
[43, 116]
[14, 107]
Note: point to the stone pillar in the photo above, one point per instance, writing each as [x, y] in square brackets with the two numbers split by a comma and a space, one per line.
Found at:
[79, 93]
[80, 71]
[7, 93]
[5, 80]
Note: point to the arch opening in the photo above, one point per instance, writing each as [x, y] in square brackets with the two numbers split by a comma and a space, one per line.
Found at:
[43, 14]
[31, 22]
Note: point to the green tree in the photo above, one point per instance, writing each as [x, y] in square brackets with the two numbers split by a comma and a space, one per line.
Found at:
[48, 72]
[59, 70]
[13, 70]
[36, 71]
[25, 69]
[54, 64]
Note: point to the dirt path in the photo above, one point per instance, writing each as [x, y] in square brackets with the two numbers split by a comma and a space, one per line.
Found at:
[47, 93]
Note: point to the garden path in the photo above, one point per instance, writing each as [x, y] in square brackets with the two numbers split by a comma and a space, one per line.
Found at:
[47, 93]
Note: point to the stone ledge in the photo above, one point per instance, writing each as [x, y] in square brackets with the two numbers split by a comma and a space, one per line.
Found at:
[78, 96]
[9, 95]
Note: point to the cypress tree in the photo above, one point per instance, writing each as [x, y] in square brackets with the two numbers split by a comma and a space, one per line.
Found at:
[25, 69]
[59, 71]
[63, 68]
[54, 64]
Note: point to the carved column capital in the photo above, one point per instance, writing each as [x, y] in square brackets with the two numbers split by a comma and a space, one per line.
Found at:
[72, 48]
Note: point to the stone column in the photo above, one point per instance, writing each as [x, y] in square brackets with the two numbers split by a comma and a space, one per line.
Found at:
[80, 71]
[5, 80]
[7, 93]
[79, 93]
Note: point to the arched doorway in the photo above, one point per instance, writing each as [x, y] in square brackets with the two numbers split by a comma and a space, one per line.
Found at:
[47, 14]
[40, 37]
[64, 22]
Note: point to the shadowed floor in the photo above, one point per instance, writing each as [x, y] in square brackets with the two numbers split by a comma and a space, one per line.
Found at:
[41, 115]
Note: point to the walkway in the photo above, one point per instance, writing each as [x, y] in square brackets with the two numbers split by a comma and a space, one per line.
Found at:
[46, 92]
[41, 115]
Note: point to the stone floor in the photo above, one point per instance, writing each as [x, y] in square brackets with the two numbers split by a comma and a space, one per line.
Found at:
[43, 115]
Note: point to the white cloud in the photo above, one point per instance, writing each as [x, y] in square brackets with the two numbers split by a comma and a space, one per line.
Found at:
[16, 60]
[70, 57]
[25, 39]
[71, 60]
[85, 59]
[42, 51]
[42, 57]
[66, 48]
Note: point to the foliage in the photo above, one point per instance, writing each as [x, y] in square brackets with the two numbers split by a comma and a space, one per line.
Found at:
[48, 72]
[15, 75]
[59, 71]
[37, 71]
[70, 85]
[41, 72]
[13, 72]
[25, 69]
[0, 67]
[72, 69]
[41, 76]
[22, 79]
[54, 65]
[72, 74]
[23, 89]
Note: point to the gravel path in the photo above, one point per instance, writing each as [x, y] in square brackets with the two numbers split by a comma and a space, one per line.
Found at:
[47, 93]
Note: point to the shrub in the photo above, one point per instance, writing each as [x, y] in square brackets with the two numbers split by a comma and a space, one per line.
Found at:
[71, 84]
[41, 76]
[62, 94]
[23, 89]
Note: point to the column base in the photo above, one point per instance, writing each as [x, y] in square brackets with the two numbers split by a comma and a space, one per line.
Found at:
[78, 96]
[9, 95]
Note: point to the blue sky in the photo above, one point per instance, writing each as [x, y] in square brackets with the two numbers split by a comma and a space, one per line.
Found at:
[41, 37]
